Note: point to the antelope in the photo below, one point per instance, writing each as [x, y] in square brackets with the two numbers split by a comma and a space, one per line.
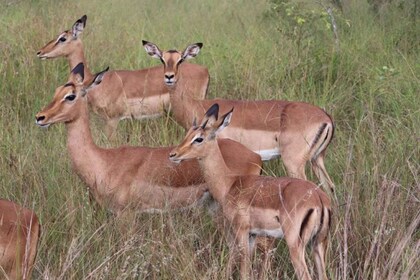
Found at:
[130, 178]
[297, 131]
[253, 205]
[124, 94]
[19, 234]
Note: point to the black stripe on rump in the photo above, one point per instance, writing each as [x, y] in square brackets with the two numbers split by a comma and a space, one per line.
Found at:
[318, 135]
[321, 223]
[305, 222]
[329, 218]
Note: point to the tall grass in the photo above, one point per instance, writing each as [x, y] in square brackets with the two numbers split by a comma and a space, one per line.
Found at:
[253, 50]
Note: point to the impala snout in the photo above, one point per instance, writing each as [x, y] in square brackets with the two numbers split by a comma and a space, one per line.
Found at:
[173, 157]
[41, 55]
[170, 79]
[40, 120]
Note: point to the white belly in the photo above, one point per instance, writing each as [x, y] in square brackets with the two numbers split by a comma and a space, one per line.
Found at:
[276, 233]
[261, 142]
[268, 154]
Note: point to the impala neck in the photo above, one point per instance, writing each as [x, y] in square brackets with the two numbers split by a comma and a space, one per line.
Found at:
[216, 173]
[77, 56]
[184, 107]
[85, 155]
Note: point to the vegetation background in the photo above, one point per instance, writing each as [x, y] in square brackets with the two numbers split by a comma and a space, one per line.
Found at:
[367, 78]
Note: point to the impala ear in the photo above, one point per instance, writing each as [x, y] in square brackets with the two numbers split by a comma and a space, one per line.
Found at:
[152, 49]
[224, 122]
[78, 26]
[191, 51]
[77, 75]
[95, 81]
[210, 117]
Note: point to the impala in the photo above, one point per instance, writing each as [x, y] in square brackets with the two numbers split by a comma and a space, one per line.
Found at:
[139, 178]
[125, 94]
[252, 205]
[19, 234]
[297, 131]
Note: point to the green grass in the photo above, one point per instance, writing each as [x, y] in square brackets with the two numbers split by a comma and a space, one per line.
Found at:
[370, 85]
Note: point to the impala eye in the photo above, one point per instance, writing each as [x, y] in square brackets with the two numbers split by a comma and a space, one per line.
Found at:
[70, 97]
[198, 140]
[62, 39]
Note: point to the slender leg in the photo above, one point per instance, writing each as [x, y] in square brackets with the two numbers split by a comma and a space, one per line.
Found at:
[242, 241]
[294, 169]
[233, 251]
[319, 250]
[294, 153]
[265, 246]
[297, 255]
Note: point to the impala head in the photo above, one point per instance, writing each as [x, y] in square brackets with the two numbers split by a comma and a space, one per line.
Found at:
[68, 98]
[172, 59]
[64, 43]
[199, 137]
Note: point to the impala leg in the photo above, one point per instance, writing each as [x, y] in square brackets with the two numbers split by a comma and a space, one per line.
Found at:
[31, 252]
[233, 251]
[295, 168]
[319, 250]
[265, 246]
[319, 169]
[297, 255]
[294, 158]
[233, 256]
[229, 266]
[111, 128]
[239, 249]
[242, 239]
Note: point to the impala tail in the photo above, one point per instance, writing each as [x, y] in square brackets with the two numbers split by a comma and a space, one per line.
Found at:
[318, 150]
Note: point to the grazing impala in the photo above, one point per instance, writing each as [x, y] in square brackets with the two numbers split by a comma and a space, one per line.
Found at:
[252, 205]
[295, 130]
[19, 234]
[125, 94]
[139, 178]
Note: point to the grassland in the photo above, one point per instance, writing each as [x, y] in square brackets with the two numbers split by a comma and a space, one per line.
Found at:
[369, 82]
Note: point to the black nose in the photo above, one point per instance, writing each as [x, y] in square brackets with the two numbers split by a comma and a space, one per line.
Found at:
[171, 155]
[38, 53]
[169, 77]
[40, 118]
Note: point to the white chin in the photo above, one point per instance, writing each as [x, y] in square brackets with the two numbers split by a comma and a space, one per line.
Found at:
[169, 83]
[43, 125]
[176, 161]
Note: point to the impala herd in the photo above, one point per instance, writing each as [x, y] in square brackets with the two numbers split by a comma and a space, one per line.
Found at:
[219, 160]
